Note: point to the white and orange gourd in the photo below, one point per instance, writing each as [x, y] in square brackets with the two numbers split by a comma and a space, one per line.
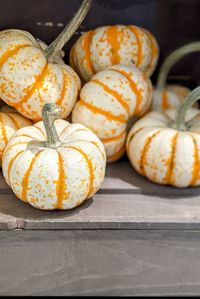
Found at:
[31, 76]
[172, 96]
[109, 101]
[165, 147]
[10, 121]
[53, 164]
[105, 46]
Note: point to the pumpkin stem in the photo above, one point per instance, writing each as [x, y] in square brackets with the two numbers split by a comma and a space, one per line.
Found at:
[191, 98]
[174, 57]
[50, 113]
[69, 30]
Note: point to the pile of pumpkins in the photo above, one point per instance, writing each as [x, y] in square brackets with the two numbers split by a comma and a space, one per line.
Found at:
[55, 164]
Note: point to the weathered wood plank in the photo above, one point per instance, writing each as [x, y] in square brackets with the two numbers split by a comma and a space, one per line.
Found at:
[134, 211]
[99, 263]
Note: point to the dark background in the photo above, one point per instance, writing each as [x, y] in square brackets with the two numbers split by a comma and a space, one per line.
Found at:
[173, 22]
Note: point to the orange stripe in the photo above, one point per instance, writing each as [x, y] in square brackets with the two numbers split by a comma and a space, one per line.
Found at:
[26, 135]
[114, 93]
[146, 147]
[59, 101]
[11, 53]
[136, 32]
[11, 163]
[87, 40]
[3, 130]
[61, 188]
[25, 179]
[165, 104]
[107, 114]
[134, 88]
[195, 170]
[95, 143]
[114, 38]
[31, 89]
[154, 50]
[114, 138]
[90, 168]
[117, 155]
[170, 161]
[13, 120]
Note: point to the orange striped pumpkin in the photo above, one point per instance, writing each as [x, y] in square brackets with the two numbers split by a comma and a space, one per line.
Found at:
[28, 80]
[165, 149]
[109, 101]
[105, 46]
[54, 174]
[10, 121]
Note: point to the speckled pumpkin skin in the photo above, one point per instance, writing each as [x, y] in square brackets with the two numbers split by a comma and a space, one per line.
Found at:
[59, 178]
[110, 45]
[171, 97]
[10, 121]
[28, 80]
[107, 103]
[165, 155]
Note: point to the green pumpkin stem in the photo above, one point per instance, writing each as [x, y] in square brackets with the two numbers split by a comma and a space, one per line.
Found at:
[54, 48]
[174, 57]
[50, 113]
[192, 97]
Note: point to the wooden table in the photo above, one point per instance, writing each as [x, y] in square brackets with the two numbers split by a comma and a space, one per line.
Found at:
[132, 238]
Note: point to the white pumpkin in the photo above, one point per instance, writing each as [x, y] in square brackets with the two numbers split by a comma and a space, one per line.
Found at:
[54, 166]
[172, 96]
[168, 151]
[105, 46]
[109, 101]
[31, 76]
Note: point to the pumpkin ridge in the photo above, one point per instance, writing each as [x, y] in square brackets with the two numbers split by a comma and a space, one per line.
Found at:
[154, 50]
[61, 184]
[114, 93]
[145, 151]
[107, 114]
[64, 85]
[11, 163]
[25, 179]
[195, 170]
[90, 168]
[29, 136]
[39, 129]
[134, 30]
[10, 53]
[133, 87]
[17, 143]
[31, 89]
[170, 161]
[13, 120]
[86, 47]
[3, 130]
[131, 138]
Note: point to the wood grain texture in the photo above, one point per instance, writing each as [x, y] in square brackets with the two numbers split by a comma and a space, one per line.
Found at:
[126, 201]
[99, 263]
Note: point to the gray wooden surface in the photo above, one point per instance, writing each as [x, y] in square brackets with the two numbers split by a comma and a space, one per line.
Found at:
[125, 201]
[99, 262]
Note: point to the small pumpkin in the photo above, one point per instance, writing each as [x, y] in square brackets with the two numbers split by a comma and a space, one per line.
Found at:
[10, 121]
[105, 46]
[31, 76]
[109, 102]
[172, 96]
[167, 151]
[53, 164]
